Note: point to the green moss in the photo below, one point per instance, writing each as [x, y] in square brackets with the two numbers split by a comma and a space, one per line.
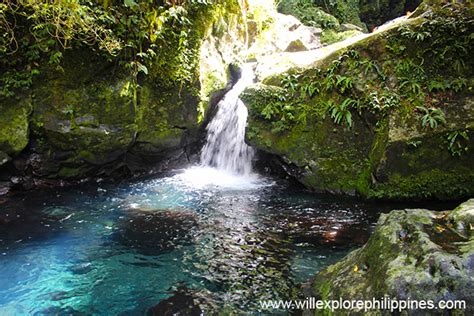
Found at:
[376, 84]
[308, 13]
[343, 10]
[406, 256]
[14, 125]
[66, 172]
[428, 184]
[331, 36]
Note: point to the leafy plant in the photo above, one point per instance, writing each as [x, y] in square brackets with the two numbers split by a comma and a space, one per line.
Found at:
[309, 89]
[340, 112]
[344, 83]
[290, 82]
[371, 66]
[457, 142]
[417, 34]
[382, 102]
[431, 117]
[411, 76]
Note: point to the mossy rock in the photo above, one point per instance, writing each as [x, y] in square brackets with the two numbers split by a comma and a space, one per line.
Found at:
[413, 254]
[14, 125]
[380, 153]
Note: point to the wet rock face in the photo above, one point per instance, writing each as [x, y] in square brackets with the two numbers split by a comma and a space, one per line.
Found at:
[417, 254]
[156, 231]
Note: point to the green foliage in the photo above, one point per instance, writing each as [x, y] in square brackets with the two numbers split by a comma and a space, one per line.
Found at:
[340, 112]
[457, 142]
[371, 65]
[431, 117]
[135, 34]
[415, 34]
[330, 36]
[382, 102]
[310, 89]
[290, 82]
[343, 10]
[343, 83]
[411, 76]
[308, 13]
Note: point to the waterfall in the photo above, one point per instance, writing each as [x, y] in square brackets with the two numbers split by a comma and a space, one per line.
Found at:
[225, 147]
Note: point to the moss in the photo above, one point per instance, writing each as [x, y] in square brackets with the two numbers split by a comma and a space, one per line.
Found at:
[369, 151]
[331, 36]
[343, 10]
[14, 125]
[66, 172]
[415, 254]
[426, 185]
[308, 13]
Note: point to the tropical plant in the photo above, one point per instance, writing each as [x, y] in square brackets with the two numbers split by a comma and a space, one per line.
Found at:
[431, 117]
[340, 112]
[457, 142]
[290, 82]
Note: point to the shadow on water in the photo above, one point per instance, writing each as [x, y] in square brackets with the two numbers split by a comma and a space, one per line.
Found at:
[161, 244]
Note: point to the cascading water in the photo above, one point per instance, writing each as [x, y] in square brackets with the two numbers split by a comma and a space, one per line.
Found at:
[225, 147]
[226, 160]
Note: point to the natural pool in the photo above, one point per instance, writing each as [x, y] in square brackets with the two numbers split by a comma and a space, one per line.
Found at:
[230, 241]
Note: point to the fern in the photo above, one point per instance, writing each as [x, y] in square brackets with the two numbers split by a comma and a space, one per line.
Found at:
[340, 113]
[432, 117]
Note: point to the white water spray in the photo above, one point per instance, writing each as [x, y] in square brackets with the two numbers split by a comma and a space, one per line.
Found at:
[226, 160]
[225, 147]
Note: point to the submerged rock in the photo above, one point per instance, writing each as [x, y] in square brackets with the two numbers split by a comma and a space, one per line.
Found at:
[183, 302]
[413, 254]
[323, 230]
[155, 232]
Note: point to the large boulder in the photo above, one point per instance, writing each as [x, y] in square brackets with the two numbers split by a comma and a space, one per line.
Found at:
[286, 34]
[413, 254]
[383, 115]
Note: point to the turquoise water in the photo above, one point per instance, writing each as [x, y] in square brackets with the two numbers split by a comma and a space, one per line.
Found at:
[109, 250]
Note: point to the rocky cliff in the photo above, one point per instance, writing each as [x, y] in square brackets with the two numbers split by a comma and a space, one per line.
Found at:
[382, 115]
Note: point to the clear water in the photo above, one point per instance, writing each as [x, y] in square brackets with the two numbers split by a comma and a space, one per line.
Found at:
[107, 250]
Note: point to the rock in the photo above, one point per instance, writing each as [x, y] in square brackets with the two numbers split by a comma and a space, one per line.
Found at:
[292, 36]
[350, 27]
[4, 158]
[305, 38]
[154, 232]
[183, 302]
[296, 46]
[82, 268]
[87, 120]
[373, 152]
[416, 254]
[325, 230]
[5, 187]
[14, 125]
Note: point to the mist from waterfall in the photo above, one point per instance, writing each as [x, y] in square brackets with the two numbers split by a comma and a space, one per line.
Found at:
[225, 147]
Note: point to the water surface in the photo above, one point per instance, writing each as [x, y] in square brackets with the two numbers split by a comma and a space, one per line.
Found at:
[231, 241]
